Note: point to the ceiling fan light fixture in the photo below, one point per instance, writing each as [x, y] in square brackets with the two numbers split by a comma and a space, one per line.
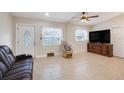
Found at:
[83, 20]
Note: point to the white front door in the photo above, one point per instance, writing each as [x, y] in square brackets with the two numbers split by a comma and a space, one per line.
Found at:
[25, 40]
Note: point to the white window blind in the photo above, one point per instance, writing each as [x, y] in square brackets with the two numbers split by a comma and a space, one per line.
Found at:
[81, 35]
[52, 36]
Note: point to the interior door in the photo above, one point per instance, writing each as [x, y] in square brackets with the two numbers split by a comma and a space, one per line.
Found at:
[25, 43]
[117, 37]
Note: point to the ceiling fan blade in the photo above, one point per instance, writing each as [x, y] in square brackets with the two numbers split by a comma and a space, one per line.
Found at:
[75, 17]
[93, 16]
[84, 17]
[87, 19]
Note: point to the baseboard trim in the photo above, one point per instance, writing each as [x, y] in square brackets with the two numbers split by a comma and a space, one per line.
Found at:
[57, 54]
[42, 56]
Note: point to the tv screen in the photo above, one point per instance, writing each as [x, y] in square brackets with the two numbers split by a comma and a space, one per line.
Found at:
[102, 36]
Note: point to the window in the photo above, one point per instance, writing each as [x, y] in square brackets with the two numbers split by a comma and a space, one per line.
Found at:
[81, 35]
[27, 39]
[52, 36]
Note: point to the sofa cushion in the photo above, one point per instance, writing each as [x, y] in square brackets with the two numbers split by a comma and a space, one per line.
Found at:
[8, 50]
[21, 66]
[1, 75]
[3, 68]
[19, 76]
[25, 79]
[22, 57]
[8, 54]
[27, 61]
[18, 65]
[18, 71]
[3, 59]
[13, 69]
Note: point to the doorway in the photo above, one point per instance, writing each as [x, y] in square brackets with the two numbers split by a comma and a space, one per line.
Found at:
[25, 40]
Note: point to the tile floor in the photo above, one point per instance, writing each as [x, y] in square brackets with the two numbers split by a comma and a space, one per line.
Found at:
[83, 66]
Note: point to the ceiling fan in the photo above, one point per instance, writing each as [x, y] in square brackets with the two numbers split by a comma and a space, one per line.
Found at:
[84, 17]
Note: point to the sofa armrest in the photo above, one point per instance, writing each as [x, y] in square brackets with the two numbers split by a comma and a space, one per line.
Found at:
[21, 57]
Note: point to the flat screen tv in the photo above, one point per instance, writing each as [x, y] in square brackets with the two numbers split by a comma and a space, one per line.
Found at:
[102, 36]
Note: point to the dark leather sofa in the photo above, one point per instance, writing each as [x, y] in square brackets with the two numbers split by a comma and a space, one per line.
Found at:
[15, 67]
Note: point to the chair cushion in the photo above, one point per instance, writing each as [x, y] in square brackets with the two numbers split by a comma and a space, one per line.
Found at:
[67, 47]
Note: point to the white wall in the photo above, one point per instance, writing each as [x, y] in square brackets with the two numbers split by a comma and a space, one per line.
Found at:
[68, 35]
[114, 22]
[80, 46]
[7, 35]
[6, 30]
[116, 25]
[43, 50]
[40, 49]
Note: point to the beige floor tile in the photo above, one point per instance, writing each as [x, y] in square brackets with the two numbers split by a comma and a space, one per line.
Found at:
[83, 66]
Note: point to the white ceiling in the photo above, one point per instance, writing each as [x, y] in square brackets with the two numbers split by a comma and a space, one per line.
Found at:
[67, 16]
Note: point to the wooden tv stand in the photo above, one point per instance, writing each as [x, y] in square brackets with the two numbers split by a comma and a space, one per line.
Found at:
[102, 49]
